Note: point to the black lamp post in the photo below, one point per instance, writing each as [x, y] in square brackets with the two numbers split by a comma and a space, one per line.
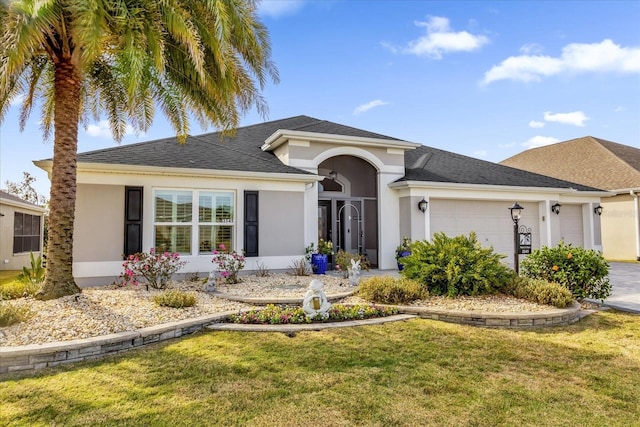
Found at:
[516, 214]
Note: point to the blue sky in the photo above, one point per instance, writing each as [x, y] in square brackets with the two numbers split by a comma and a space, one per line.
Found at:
[483, 79]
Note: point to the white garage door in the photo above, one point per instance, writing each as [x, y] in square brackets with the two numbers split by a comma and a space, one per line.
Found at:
[491, 222]
[571, 225]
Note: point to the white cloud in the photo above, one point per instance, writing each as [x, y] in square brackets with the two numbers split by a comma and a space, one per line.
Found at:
[368, 106]
[278, 8]
[534, 124]
[540, 141]
[605, 56]
[17, 100]
[576, 118]
[102, 130]
[440, 39]
[531, 49]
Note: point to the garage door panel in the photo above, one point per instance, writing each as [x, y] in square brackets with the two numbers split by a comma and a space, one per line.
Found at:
[491, 221]
[571, 225]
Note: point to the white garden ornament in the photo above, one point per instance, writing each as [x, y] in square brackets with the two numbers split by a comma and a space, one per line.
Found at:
[315, 302]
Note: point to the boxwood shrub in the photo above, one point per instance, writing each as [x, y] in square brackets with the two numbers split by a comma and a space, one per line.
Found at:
[456, 266]
[540, 291]
[391, 290]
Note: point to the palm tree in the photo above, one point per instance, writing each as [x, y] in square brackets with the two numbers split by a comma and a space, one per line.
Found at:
[78, 59]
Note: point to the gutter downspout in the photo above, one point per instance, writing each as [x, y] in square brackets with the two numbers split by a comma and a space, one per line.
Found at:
[637, 222]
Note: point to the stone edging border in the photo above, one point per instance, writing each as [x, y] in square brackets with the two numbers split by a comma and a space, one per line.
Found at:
[39, 356]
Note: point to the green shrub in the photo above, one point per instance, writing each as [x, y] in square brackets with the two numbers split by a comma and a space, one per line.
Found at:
[584, 272]
[18, 289]
[456, 266]
[540, 291]
[10, 315]
[389, 290]
[175, 298]
[276, 315]
[35, 274]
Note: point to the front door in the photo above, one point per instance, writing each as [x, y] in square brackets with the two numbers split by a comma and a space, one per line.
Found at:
[341, 221]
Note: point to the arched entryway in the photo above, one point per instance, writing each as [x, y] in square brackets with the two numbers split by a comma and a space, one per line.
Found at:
[348, 205]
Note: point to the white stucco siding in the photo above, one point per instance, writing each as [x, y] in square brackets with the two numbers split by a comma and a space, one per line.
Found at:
[99, 223]
[490, 220]
[8, 259]
[281, 224]
[571, 225]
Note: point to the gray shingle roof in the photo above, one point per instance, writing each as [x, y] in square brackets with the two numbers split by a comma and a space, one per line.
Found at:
[11, 197]
[431, 164]
[243, 152]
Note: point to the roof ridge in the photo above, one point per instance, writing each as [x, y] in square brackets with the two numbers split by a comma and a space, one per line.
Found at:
[617, 157]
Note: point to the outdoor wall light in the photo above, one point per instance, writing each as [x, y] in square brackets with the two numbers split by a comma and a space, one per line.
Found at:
[422, 205]
[597, 210]
[333, 175]
[555, 208]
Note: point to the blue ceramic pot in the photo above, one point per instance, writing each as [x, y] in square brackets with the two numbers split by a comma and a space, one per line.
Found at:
[319, 262]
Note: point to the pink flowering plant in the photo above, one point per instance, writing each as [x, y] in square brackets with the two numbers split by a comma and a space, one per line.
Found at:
[228, 263]
[155, 268]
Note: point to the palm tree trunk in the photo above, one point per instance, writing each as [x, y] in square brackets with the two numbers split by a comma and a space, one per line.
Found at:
[59, 279]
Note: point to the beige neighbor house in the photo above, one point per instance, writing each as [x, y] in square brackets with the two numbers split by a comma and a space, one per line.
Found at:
[276, 187]
[601, 164]
[21, 231]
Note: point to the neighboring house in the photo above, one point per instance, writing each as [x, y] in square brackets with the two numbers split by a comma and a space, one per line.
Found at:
[602, 164]
[21, 231]
[278, 186]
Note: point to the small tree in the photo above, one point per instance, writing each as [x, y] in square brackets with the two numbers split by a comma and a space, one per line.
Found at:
[584, 272]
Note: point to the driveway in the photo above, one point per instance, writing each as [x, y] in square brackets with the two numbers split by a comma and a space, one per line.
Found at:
[625, 286]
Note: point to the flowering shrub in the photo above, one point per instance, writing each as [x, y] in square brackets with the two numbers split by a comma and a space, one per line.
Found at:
[275, 315]
[228, 264]
[155, 268]
[325, 247]
[584, 272]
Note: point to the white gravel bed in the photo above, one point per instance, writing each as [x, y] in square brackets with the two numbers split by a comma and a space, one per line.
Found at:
[107, 310]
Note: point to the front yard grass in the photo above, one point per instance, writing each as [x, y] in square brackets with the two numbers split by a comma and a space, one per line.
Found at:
[414, 373]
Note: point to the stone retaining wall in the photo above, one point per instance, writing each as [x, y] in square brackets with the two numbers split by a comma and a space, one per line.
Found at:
[38, 356]
[552, 317]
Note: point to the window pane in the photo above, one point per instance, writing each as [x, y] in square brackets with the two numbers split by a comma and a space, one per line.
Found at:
[173, 238]
[224, 208]
[17, 244]
[35, 226]
[26, 227]
[205, 207]
[18, 221]
[212, 236]
[173, 206]
[34, 243]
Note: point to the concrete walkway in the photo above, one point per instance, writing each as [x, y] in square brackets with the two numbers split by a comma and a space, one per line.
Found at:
[625, 286]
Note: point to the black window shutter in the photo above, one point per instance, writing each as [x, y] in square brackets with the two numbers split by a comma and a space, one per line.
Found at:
[132, 220]
[251, 223]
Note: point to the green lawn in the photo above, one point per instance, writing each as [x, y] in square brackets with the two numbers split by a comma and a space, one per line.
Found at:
[415, 373]
[7, 276]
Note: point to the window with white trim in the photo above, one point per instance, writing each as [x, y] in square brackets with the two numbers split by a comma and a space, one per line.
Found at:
[183, 218]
